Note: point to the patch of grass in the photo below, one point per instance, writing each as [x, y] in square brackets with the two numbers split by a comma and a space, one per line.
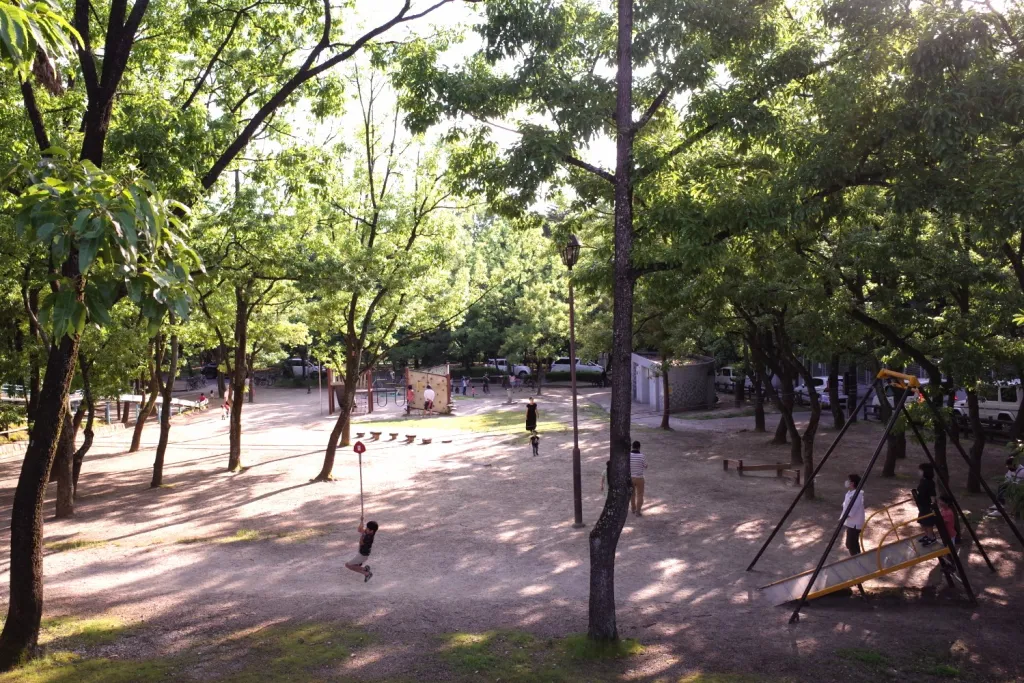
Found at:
[68, 667]
[495, 421]
[192, 540]
[75, 631]
[74, 544]
[294, 652]
[581, 647]
[943, 671]
[244, 536]
[863, 656]
[701, 677]
[522, 658]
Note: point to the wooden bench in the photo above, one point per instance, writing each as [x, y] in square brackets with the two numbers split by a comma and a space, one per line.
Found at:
[781, 469]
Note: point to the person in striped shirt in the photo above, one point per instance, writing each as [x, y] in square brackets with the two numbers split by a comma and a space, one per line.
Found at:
[637, 467]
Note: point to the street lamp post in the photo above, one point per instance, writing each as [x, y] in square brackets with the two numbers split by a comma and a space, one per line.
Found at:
[570, 254]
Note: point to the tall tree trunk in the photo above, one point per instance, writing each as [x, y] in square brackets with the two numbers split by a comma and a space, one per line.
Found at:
[851, 393]
[665, 407]
[34, 391]
[978, 445]
[604, 537]
[165, 414]
[896, 442]
[808, 445]
[781, 430]
[222, 389]
[87, 437]
[238, 379]
[64, 465]
[155, 361]
[759, 423]
[25, 603]
[838, 420]
[540, 375]
[340, 435]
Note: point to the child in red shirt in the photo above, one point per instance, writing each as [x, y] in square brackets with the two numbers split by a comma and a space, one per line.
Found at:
[948, 518]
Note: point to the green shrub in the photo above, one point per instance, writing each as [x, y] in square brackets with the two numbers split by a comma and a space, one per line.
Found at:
[11, 415]
[1015, 500]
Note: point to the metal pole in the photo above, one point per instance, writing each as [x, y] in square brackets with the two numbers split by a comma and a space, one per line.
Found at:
[577, 486]
[846, 512]
[807, 485]
[945, 487]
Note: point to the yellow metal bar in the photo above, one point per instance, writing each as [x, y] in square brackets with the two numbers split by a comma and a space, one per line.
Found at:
[874, 575]
[906, 380]
[885, 509]
[878, 553]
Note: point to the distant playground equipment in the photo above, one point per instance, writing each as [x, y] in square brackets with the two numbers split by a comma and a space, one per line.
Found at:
[440, 381]
[890, 555]
[781, 469]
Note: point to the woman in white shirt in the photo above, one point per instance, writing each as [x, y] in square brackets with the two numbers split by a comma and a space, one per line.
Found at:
[855, 520]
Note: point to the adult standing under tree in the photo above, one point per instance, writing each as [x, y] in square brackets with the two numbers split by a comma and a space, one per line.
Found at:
[531, 416]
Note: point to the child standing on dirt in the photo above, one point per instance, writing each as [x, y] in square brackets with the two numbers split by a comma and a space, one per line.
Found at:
[923, 495]
[855, 518]
[948, 518]
[535, 443]
[358, 563]
[226, 407]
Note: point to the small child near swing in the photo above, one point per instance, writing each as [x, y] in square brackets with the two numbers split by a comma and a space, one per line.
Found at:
[358, 563]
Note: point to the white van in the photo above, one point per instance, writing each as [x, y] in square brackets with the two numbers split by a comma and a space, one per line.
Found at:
[998, 404]
[803, 395]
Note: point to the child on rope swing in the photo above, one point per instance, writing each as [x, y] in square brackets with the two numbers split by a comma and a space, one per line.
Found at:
[358, 562]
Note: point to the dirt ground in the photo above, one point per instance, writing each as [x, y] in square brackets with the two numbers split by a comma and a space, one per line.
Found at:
[477, 535]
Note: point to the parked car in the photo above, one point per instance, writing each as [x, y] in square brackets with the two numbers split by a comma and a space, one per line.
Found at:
[803, 395]
[998, 404]
[300, 368]
[725, 378]
[563, 365]
[893, 393]
[502, 366]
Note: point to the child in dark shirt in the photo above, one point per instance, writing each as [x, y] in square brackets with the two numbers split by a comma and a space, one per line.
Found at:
[923, 495]
[535, 443]
[358, 563]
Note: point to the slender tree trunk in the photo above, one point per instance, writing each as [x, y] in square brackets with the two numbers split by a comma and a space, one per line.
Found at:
[851, 393]
[978, 444]
[154, 390]
[87, 437]
[808, 445]
[222, 388]
[838, 420]
[64, 466]
[759, 423]
[665, 407]
[34, 391]
[238, 379]
[896, 442]
[781, 430]
[540, 375]
[604, 537]
[25, 604]
[340, 435]
[165, 415]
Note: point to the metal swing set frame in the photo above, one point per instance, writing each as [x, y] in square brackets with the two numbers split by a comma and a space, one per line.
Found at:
[907, 383]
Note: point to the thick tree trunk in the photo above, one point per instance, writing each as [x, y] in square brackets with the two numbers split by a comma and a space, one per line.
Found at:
[165, 415]
[781, 430]
[238, 380]
[838, 420]
[604, 537]
[665, 405]
[340, 435]
[896, 442]
[146, 411]
[540, 375]
[25, 604]
[34, 391]
[978, 444]
[64, 466]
